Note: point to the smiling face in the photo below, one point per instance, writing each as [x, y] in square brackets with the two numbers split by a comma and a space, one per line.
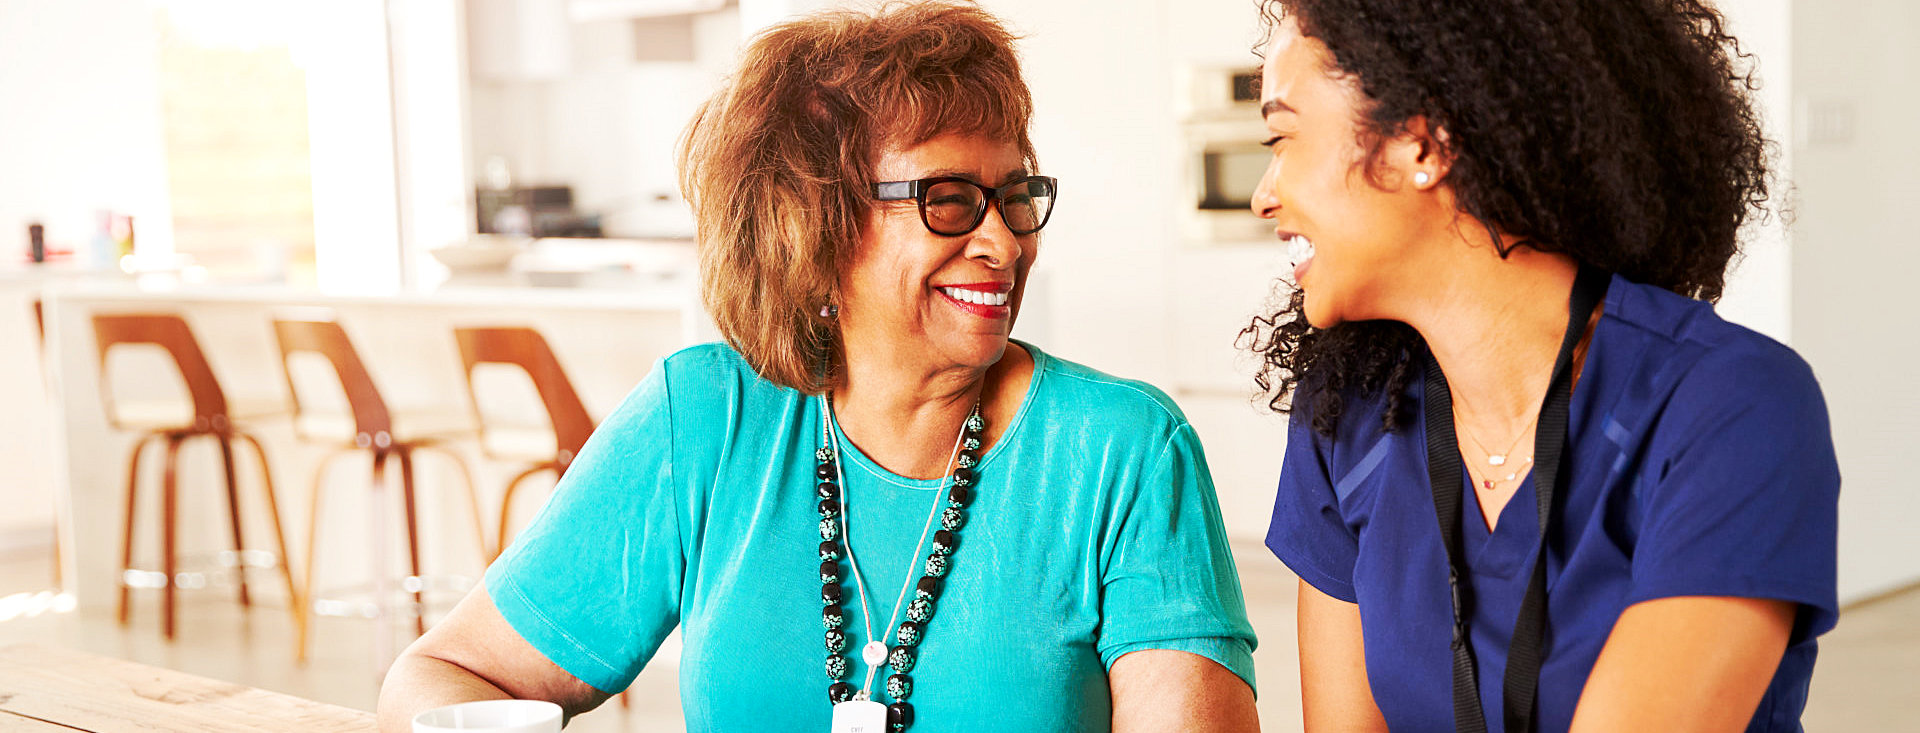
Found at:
[950, 301]
[1356, 240]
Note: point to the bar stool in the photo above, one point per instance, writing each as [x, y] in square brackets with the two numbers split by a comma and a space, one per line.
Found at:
[524, 348]
[46, 373]
[211, 419]
[373, 430]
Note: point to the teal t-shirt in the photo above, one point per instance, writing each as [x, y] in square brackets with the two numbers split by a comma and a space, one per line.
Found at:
[1093, 532]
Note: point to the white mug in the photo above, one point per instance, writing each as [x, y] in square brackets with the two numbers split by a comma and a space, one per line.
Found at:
[491, 716]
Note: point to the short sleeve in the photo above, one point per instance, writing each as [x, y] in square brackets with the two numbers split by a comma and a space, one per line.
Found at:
[1744, 498]
[1169, 580]
[594, 581]
[1308, 532]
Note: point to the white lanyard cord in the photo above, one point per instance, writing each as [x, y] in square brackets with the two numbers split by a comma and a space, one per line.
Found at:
[846, 534]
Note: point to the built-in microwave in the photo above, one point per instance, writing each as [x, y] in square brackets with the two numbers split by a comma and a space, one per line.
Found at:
[1224, 157]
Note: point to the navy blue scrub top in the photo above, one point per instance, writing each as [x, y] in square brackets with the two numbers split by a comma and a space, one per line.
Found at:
[1702, 465]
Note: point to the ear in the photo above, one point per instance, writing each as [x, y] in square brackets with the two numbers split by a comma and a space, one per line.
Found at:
[1419, 156]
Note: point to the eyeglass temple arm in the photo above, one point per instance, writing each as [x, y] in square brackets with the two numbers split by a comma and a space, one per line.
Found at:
[896, 190]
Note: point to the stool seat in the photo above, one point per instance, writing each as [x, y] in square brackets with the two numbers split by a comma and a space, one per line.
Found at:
[170, 415]
[409, 426]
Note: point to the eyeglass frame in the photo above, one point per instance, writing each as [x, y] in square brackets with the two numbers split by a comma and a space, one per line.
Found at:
[916, 191]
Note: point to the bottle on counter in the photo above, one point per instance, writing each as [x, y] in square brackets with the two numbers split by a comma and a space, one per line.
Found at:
[36, 242]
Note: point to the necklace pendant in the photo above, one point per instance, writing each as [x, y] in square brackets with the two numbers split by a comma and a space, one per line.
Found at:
[874, 653]
[1486, 484]
[1495, 459]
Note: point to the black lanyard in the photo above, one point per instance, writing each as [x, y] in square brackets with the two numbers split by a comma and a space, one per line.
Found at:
[1443, 471]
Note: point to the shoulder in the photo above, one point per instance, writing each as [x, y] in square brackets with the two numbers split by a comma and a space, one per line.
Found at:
[1074, 392]
[1706, 357]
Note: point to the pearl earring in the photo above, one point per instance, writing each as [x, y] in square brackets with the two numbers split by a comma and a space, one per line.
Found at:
[1422, 178]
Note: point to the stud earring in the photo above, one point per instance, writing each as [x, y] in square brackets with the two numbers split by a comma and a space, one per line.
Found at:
[1422, 178]
[829, 310]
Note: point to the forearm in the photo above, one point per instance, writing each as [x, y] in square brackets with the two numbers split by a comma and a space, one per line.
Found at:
[418, 683]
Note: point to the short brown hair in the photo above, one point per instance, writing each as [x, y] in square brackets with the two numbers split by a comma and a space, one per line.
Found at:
[778, 163]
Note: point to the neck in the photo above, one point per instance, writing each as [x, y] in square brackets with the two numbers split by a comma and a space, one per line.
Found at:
[1495, 326]
[905, 416]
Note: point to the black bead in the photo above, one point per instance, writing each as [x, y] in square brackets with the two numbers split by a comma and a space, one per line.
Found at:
[832, 617]
[930, 586]
[962, 476]
[824, 471]
[829, 507]
[829, 550]
[830, 593]
[900, 715]
[959, 495]
[830, 572]
[910, 634]
[827, 490]
[901, 659]
[840, 692]
[943, 538]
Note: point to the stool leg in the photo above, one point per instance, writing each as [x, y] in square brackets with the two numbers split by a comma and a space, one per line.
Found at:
[133, 495]
[233, 513]
[506, 503]
[413, 539]
[313, 533]
[296, 600]
[473, 498]
[168, 529]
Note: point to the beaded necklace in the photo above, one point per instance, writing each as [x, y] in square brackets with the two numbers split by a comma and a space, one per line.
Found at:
[834, 543]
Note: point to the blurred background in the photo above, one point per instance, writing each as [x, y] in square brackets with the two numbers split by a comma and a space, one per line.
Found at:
[406, 169]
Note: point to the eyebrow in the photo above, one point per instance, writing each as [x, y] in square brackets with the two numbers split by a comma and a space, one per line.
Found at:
[1017, 173]
[1273, 105]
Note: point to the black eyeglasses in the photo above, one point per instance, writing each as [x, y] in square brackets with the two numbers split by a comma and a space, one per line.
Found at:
[951, 206]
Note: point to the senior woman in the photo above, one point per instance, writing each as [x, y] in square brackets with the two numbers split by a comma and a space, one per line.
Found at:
[1533, 482]
[869, 501]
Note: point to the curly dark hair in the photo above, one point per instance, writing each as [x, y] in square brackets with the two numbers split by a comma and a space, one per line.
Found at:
[1619, 132]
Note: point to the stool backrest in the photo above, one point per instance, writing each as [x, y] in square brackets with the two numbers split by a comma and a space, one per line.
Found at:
[371, 418]
[169, 332]
[524, 348]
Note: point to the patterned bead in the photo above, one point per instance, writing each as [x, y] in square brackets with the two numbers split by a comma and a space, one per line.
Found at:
[937, 566]
[824, 471]
[836, 642]
[899, 716]
[829, 529]
[829, 508]
[829, 550]
[975, 423]
[944, 542]
[951, 518]
[836, 667]
[827, 490]
[908, 634]
[833, 618]
[901, 659]
[927, 588]
[899, 687]
[958, 496]
[963, 477]
[830, 594]
[830, 572]
[919, 610]
[823, 454]
[840, 692]
[968, 460]
[970, 444]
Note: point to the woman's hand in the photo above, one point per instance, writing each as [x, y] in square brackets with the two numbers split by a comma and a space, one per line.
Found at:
[1165, 690]
[1334, 695]
[1685, 664]
[474, 654]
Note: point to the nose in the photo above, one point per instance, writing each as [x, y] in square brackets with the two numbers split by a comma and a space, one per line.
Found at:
[1264, 200]
[994, 243]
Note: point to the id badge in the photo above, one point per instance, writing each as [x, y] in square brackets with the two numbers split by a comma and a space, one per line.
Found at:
[859, 716]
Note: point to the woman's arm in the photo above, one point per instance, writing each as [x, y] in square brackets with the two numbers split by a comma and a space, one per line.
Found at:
[1685, 664]
[474, 654]
[1166, 690]
[1334, 695]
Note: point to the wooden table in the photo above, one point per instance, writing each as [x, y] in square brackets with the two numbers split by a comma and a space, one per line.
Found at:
[49, 689]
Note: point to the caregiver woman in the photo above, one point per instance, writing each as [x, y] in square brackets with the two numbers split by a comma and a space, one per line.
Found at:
[1533, 482]
[869, 501]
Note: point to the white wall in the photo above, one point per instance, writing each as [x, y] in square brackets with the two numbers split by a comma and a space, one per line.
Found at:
[81, 133]
[1857, 243]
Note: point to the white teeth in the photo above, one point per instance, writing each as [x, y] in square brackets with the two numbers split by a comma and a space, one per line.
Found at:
[976, 297]
[1299, 249]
